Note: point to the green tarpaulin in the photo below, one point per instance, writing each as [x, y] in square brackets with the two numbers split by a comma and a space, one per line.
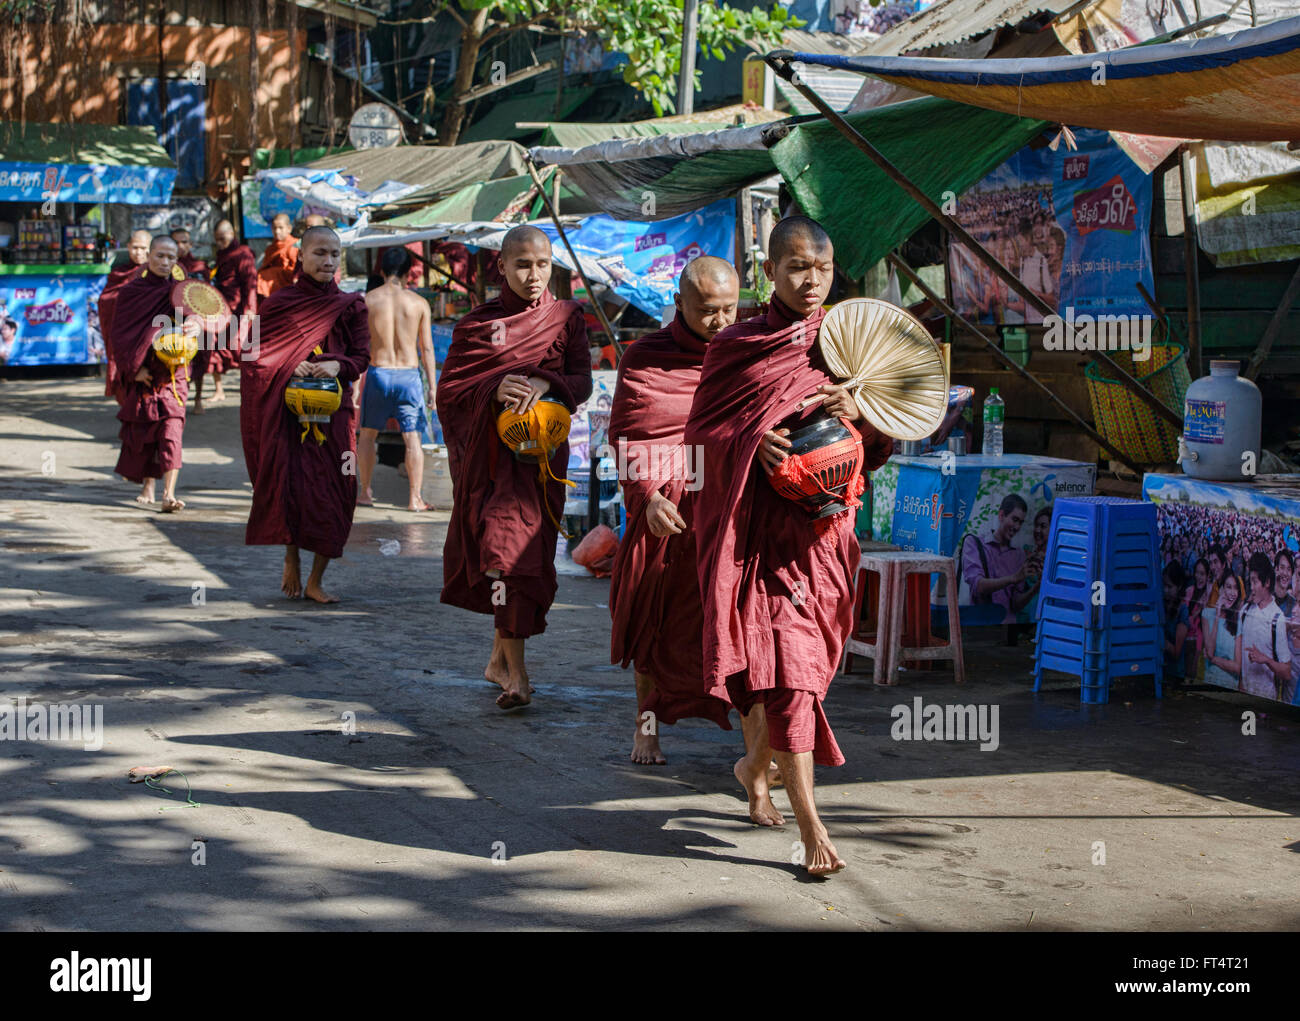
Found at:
[576, 135]
[533, 107]
[941, 146]
[94, 145]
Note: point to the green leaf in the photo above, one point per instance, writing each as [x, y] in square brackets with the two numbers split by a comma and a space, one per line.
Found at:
[717, 53]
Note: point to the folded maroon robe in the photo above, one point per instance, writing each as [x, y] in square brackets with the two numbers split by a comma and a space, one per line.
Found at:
[498, 520]
[152, 414]
[304, 492]
[235, 276]
[117, 279]
[654, 596]
[777, 588]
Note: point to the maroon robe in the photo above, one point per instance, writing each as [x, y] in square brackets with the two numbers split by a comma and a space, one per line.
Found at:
[498, 520]
[235, 276]
[193, 268]
[117, 279]
[304, 492]
[152, 414]
[654, 596]
[777, 588]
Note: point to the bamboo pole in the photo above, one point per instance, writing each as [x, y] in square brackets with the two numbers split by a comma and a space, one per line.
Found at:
[1010, 362]
[779, 61]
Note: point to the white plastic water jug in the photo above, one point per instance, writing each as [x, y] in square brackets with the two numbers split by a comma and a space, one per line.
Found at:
[1221, 417]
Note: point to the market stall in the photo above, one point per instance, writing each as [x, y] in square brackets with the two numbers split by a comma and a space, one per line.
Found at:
[56, 181]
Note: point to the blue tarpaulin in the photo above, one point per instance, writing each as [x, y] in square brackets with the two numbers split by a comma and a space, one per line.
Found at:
[182, 132]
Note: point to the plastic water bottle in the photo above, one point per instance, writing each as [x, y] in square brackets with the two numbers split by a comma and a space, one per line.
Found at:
[994, 412]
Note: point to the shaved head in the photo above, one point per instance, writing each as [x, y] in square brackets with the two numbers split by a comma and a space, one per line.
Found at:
[321, 252]
[708, 294]
[793, 228]
[282, 218]
[160, 239]
[281, 227]
[801, 264]
[525, 261]
[141, 236]
[523, 235]
[137, 248]
[705, 270]
[224, 234]
[312, 232]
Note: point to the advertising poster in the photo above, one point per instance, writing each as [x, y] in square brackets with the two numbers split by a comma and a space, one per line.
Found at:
[1232, 594]
[1071, 224]
[992, 513]
[46, 320]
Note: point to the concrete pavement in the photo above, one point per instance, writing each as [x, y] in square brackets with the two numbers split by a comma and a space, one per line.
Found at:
[442, 812]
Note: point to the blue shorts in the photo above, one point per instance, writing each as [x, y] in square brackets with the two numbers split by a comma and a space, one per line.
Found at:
[393, 393]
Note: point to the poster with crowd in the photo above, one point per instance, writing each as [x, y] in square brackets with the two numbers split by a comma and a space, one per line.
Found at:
[1072, 224]
[1231, 588]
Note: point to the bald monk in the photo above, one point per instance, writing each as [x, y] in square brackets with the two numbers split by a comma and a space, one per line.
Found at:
[499, 557]
[123, 270]
[400, 337]
[777, 587]
[235, 276]
[280, 260]
[152, 403]
[304, 487]
[654, 596]
[191, 265]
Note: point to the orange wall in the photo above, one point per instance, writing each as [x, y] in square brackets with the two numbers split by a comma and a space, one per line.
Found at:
[90, 81]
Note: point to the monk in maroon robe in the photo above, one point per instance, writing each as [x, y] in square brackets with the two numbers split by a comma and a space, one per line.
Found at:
[151, 398]
[777, 586]
[654, 596]
[137, 254]
[280, 260]
[235, 276]
[499, 556]
[304, 485]
[191, 265]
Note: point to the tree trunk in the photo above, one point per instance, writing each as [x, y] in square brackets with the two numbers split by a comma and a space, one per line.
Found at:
[453, 116]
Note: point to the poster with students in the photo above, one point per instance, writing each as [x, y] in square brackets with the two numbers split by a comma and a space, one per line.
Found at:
[1228, 558]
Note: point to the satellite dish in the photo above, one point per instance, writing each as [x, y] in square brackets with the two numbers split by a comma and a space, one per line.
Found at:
[374, 126]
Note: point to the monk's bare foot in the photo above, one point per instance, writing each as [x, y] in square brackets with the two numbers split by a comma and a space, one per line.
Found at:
[774, 776]
[645, 749]
[517, 693]
[497, 673]
[218, 397]
[418, 505]
[366, 499]
[171, 505]
[317, 594]
[291, 582]
[820, 856]
[198, 407]
[761, 809]
[146, 499]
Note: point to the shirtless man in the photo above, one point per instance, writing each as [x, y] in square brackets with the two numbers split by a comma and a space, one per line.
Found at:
[399, 325]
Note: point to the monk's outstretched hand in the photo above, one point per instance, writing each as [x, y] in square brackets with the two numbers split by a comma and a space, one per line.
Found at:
[662, 517]
[839, 402]
[772, 449]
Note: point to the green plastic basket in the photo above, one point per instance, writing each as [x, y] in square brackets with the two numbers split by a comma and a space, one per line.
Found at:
[1128, 422]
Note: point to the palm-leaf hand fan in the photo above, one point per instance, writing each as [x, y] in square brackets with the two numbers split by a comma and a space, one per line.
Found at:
[890, 363]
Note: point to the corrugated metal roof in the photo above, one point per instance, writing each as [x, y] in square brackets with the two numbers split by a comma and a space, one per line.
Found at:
[952, 21]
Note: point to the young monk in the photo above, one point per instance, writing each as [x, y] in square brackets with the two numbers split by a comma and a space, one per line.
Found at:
[152, 403]
[777, 587]
[123, 270]
[654, 596]
[191, 265]
[304, 488]
[499, 556]
[235, 276]
[280, 260]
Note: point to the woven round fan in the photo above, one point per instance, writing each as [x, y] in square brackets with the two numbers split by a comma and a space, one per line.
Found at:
[194, 297]
[892, 365]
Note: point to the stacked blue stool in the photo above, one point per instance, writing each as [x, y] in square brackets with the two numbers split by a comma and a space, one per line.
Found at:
[1101, 601]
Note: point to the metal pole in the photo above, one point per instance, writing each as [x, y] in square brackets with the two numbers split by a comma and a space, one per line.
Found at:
[779, 61]
[686, 80]
[577, 266]
[1191, 269]
[1007, 360]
